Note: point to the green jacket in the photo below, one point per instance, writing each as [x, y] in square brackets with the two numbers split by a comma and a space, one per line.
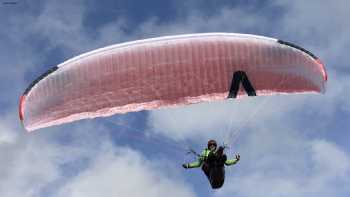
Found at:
[204, 156]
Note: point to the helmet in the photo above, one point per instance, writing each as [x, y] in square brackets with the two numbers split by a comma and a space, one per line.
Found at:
[212, 142]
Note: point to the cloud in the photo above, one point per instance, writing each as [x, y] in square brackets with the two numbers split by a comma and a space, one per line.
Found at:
[225, 20]
[207, 120]
[330, 161]
[7, 136]
[320, 168]
[41, 164]
[322, 26]
[124, 173]
[26, 165]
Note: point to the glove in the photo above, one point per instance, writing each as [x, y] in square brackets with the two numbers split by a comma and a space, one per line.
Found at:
[238, 157]
[185, 165]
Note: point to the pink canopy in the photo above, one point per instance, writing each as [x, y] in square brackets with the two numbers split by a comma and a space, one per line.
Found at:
[168, 71]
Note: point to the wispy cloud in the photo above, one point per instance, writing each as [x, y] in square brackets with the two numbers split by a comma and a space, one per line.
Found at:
[319, 168]
[123, 172]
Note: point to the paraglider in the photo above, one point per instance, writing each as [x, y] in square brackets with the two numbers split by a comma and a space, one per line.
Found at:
[171, 71]
[168, 71]
[213, 161]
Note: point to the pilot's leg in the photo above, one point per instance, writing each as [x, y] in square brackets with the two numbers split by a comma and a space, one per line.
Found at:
[217, 177]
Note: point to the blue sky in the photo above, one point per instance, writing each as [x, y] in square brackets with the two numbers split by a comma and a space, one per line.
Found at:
[292, 146]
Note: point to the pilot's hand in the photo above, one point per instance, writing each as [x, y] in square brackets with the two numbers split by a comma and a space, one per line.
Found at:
[238, 157]
[185, 165]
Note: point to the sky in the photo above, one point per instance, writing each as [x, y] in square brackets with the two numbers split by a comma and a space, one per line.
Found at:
[295, 145]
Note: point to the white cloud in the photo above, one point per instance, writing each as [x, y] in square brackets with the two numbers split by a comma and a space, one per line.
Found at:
[124, 173]
[330, 161]
[26, 166]
[38, 164]
[214, 119]
[323, 26]
[6, 135]
[226, 19]
[317, 168]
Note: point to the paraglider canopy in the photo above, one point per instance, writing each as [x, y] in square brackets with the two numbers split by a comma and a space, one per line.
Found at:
[168, 71]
